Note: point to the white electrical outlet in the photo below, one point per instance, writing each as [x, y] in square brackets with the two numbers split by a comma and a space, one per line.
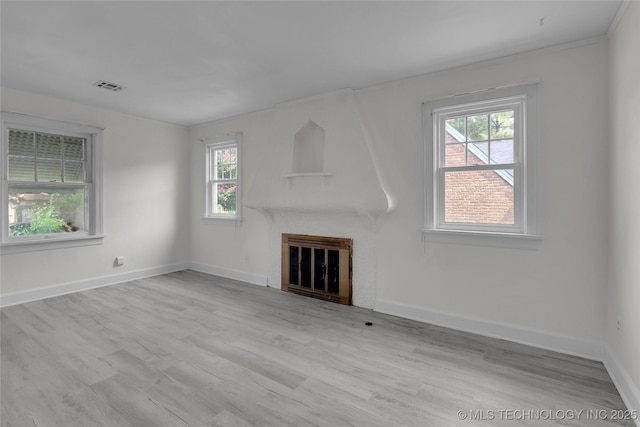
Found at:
[618, 324]
[119, 260]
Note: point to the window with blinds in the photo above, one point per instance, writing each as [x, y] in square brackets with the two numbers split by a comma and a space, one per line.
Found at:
[50, 182]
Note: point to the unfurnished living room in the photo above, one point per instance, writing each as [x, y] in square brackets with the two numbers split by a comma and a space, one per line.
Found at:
[320, 213]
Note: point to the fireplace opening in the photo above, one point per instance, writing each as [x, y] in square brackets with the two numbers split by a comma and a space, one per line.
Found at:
[317, 266]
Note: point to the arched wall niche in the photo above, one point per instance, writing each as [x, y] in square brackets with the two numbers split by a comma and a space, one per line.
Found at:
[308, 149]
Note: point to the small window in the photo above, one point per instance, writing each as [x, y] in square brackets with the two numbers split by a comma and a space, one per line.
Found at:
[223, 178]
[480, 163]
[52, 184]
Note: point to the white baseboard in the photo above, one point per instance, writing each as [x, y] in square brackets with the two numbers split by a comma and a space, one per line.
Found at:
[628, 390]
[243, 276]
[30, 295]
[534, 337]
[21, 297]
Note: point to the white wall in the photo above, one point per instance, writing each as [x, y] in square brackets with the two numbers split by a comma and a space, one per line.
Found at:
[146, 199]
[221, 246]
[624, 286]
[561, 286]
[558, 288]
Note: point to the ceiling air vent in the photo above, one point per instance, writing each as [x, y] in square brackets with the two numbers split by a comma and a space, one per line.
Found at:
[109, 86]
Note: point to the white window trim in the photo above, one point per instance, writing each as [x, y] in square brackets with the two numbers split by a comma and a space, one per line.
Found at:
[215, 143]
[525, 232]
[95, 233]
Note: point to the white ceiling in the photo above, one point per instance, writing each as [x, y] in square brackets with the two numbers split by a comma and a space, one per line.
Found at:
[189, 62]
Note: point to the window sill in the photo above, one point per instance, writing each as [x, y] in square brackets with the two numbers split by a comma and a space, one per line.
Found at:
[221, 218]
[45, 245]
[477, 238]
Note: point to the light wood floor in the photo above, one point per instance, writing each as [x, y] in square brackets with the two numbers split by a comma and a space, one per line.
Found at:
[189, 349]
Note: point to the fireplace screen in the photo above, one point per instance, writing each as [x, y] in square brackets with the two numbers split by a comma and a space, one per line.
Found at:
[316, 266]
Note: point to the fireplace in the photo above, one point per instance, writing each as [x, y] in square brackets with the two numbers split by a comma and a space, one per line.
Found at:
[317, 266]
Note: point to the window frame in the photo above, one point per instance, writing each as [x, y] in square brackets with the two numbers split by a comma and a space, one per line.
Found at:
[92, 184]
[523, 100]
[213, 144]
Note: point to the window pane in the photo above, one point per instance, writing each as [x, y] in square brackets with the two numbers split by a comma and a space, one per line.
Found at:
[225, 198]
[454, 155]
[49, 170]
[477, 154]
[226, 163]
[223, 157]
[478, 127]
[455, 129]
[222, 172]
[74, 148]
[502, 151]
[73, 172]
[22, 169]
[502, 125]
[479, 197]
[42, 211]
[21, 143]
[220, 166]
[49, 146]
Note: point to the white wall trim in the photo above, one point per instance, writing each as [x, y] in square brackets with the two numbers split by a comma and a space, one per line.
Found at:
[566, 344]
[628, 390]
[22, 297]
[534, 337]
[616, 19]
[243, 276]
[30, 295]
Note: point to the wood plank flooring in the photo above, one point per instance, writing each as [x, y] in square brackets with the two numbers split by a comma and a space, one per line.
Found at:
[190, 349]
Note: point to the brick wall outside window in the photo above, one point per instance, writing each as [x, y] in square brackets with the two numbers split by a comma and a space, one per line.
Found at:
[476, 196]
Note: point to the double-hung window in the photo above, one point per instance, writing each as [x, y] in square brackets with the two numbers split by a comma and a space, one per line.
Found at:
[480, 164]
[223, 181]
[51, 183]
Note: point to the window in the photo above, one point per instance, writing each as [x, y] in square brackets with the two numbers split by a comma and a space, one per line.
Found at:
[223, 177]
[480, 164]
[51, 187]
